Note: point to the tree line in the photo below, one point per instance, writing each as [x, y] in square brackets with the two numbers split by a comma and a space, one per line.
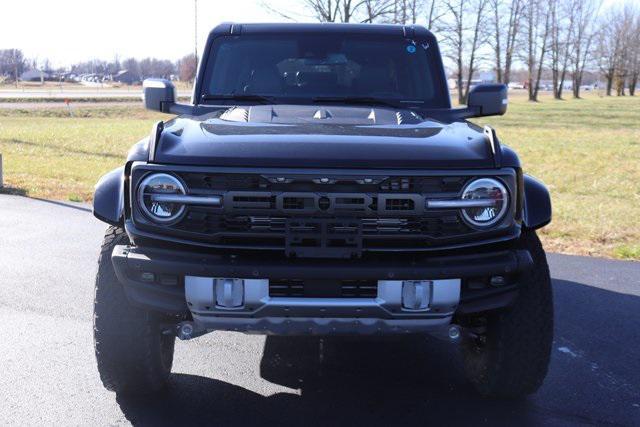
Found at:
[558, 38]
[13, 63]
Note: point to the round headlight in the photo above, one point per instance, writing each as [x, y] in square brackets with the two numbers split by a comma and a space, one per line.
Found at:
[492, 201]
[154, 197]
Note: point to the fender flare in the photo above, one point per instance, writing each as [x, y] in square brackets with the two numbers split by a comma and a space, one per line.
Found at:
[108, 198]
[536, 203]
[109, 195]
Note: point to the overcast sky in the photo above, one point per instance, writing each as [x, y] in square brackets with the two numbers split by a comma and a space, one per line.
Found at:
[68, 31]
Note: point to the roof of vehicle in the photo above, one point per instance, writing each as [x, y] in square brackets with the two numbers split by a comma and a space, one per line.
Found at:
[408, 31]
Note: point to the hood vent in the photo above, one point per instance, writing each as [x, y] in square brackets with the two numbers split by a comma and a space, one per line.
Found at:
[404, 117]
[299, 114]
[235, 114]
[322, 114]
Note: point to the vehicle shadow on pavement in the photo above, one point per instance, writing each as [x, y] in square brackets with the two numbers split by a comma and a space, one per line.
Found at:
[342, 381]
[415, 380]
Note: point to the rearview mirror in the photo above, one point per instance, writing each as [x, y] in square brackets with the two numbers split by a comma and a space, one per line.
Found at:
[488, 100]
[160, 95]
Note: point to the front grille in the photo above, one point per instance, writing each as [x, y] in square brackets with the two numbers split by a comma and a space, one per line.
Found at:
[292, 288]
[333, 216]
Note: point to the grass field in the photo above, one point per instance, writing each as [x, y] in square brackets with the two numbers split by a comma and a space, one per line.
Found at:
[587, 151]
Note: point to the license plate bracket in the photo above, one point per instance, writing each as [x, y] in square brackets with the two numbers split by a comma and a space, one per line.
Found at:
[323, 238]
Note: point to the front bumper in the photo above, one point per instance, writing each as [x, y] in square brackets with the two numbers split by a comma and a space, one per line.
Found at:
[181, 284]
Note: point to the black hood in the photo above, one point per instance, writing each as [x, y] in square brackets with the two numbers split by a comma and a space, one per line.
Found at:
[322, 136]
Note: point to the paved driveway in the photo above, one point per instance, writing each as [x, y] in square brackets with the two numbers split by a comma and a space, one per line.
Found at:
[48, 253]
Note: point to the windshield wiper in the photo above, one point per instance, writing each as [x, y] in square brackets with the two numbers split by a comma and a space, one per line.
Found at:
[238, 97]
[355, 100]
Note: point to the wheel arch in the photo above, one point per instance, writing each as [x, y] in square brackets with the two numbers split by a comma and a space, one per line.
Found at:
[110, 191]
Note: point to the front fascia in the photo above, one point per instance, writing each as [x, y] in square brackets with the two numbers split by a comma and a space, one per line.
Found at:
[140, 229]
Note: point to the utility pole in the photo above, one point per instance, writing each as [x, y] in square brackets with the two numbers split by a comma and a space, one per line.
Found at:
[196, 30]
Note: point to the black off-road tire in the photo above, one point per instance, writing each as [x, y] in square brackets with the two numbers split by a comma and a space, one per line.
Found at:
[511, 359]
[133, 355]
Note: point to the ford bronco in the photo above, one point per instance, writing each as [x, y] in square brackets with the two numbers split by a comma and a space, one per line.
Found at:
[320, 182]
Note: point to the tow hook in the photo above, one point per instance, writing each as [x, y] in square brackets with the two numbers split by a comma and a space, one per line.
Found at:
[185, 331]
[451, 333]
[454, 332]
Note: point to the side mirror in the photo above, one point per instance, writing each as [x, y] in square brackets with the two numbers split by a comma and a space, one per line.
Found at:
[158, 94]
[488, 100]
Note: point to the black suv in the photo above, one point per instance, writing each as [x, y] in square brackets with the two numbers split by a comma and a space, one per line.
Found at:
[321, 183]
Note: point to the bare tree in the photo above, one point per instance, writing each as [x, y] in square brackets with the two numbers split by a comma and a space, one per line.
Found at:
[627, 32]
[608, 48]
[187, 67]
[537, 19]
[463, 34]
[12, 64]
[325, 10]
[365, 11]
[377, 9]
[505, 13]
[409, 11]
[585, 13]
[634, 57]
[560, 43]
[434, 12]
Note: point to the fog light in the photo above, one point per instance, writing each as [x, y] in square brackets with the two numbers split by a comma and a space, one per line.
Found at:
[229, 292]
[416, 294]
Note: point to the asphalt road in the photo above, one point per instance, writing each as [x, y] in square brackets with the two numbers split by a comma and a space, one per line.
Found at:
[48, 253]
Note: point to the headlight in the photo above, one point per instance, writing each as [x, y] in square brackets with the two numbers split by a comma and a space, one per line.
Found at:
[154, 197]
[492, 201]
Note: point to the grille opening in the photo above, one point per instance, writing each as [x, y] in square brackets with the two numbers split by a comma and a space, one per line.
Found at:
[399, 205]
[251, 199]
[397, 184]
[252, 202]
[350, 200]
[297, 203]
[321, 288]
[342, 243]
[350, 204]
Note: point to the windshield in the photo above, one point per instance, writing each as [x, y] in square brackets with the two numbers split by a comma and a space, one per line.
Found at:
[325, 67]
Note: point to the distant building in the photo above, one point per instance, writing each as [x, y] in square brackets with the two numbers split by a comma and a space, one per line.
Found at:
[126, 77]
[35, 76]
